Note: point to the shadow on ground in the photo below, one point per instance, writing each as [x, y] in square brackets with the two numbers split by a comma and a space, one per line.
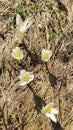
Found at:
[33, 56]
[56, 126]
[52, 78]
[38, 100]
[61, 6]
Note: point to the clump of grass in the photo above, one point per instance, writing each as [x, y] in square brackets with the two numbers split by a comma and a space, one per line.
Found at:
[49, 5]
[5, 68]
[65, 57]
[20, 11]
[33, 8]
[8, 120]
[14, 116]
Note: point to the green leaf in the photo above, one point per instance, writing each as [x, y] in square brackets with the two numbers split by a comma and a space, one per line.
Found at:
[20, 11]
[14, 116]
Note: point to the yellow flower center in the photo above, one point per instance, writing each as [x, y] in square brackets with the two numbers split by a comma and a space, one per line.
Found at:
[48, 110]
[26, 79]
[45, 56]
[18, 54]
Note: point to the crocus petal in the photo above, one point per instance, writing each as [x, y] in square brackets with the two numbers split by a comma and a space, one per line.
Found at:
[23, 83]
[26, 25]
[54, 111]
[46, 54]
[43, 50]
[31, 77]
[52, 117]
[17, 53]
[21, 55]
[17, 48]
[18, 20]
[50, 53]
[48, 115]
[50, 105]
[23, 26]
[25, 77]
[22, 72]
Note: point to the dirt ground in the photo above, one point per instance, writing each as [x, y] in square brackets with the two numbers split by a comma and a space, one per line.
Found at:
[53, 26]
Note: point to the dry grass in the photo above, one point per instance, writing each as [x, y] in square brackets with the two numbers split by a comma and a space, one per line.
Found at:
[20, 106]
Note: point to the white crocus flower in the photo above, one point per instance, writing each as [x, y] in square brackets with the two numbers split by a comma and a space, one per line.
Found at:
[25, 77]
[49, 111]
[17, 53]
[23, 26]
[46, 54]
